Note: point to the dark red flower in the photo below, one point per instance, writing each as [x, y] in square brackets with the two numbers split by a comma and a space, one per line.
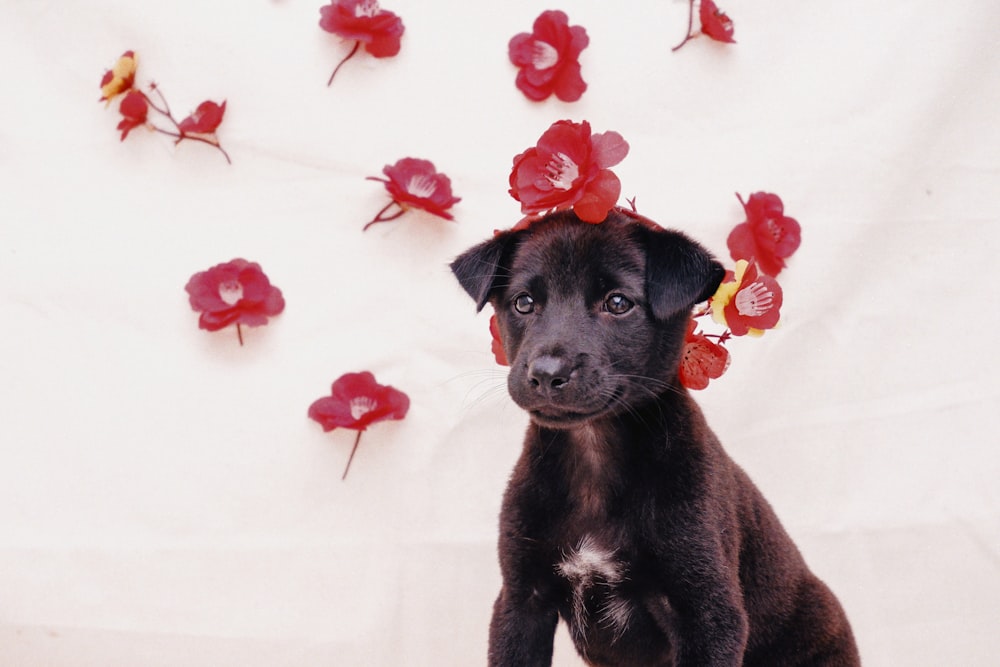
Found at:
[134, 110]
[747, 301]
[548, 58]
[415, 183]
[120, 78]
[569, 168]
[701, 359]
[236, 292]
[205, 119]
[497, 346]
[767, 235]
[715, 23]
[364, 22]
[356, 402]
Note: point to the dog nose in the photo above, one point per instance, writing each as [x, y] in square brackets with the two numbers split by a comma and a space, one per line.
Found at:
[548, 372]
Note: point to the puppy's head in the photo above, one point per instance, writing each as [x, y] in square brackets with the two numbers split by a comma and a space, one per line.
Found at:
[592, 317]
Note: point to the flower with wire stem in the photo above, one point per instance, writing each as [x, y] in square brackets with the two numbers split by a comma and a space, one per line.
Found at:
[715, 24]
[236, 292]
[702, 359]
[357, 401]
[365, 23]
[414, 183]
[747, 301]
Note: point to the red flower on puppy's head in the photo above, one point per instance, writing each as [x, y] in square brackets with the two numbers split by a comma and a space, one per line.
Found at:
[701, 359]
[747, 301]
[236, 292]
[569, 169]
[768, 235]
[356, 402]
[548, 58]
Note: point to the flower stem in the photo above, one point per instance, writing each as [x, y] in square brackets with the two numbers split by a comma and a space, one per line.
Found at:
[357, 45]
[378, 216]
[181, 136]
[689, 36]
[239, 333]
[357, 440]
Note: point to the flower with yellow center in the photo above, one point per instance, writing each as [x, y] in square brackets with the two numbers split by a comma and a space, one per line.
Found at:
[119, 78]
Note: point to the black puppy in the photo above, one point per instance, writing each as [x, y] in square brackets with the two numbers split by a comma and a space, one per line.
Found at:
[624, 515]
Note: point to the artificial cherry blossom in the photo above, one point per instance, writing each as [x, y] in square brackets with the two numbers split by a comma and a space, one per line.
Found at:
[715, 24]
[767, 235]
[364, 22]
[356, 402]
[415, 183]
[569, 169]
[497, 346]
[701, 358]
[200, 126]
[548, 58]
[747, 301]
[236, 292]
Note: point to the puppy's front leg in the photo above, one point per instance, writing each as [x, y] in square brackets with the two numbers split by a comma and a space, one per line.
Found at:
[521, 631]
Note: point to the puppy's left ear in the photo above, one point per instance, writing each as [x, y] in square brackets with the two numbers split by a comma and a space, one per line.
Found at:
[484, 268]
[679, 272]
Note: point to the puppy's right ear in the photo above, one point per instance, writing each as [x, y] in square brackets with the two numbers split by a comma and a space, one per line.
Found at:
[484, 268]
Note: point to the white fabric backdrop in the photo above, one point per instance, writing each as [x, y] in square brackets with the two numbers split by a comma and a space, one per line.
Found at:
[165, 501]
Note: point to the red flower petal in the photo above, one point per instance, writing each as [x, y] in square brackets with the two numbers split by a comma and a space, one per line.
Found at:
[134, 110]
[599, 196]
[701, 360]
[715, 23]
[235, 292]
[357, 401]
[497, 345]
[547, 58]
[205, 119]
[364, 21]
[416, 183]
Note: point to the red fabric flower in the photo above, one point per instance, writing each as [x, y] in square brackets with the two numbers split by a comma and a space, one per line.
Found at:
[236, 292]
[715, 23]
[569, 168]
[120, 78]
[134, 110]
[415, 183]
[701, 359]
[747, 301]
[768, 235]
[497, 346]
[205, 119]
[548, 58]
[356, 402]
[364, 22]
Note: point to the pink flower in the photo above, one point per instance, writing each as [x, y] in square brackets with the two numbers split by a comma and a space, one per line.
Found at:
[767, 235]
[415, 183]
[205, 119]
[701, 359]
[548, 58]
[134, 110]
[747, 301]
[236, 292]
[364, 22]
[569, 168]
[356, 402]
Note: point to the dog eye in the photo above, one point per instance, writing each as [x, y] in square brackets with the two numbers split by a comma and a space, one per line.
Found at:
[618, 304]
[524, 304]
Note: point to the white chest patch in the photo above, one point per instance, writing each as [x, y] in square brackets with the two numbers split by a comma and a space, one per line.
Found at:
[594, 573]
